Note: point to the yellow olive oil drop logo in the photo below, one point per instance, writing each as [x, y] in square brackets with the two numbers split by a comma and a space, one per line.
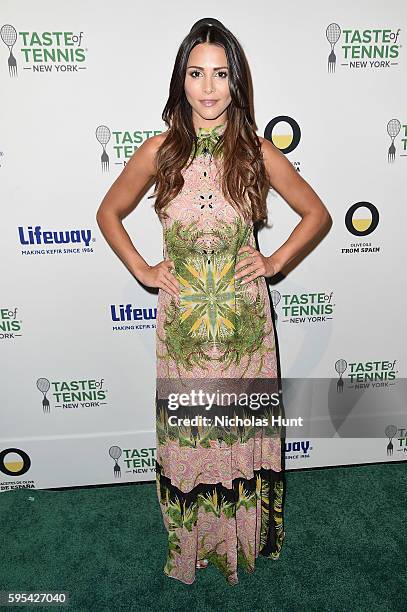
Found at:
[14, 462]
[285, 134]
[361, 220]
[118, 146]
[370, 48]
[51, 51]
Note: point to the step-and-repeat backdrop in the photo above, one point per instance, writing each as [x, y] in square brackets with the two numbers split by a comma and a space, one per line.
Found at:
[82, 86]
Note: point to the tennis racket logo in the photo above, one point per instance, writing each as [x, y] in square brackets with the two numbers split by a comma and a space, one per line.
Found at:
[340, 367]
[103, 135]
[393, 130]
[8, 35]
[43, 385]
[333, 34]
[116, 452]
[275, 298]
[390, 432]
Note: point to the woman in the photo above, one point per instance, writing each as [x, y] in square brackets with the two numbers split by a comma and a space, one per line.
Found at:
[220, 481]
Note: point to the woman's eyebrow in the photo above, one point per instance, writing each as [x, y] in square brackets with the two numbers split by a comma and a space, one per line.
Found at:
[200, 67]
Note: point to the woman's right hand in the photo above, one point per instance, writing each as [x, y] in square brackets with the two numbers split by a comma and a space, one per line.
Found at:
[161, 276]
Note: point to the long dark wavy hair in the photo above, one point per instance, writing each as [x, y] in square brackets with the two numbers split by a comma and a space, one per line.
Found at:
[244, 179]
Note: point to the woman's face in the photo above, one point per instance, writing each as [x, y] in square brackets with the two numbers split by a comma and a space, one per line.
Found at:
[207, 85]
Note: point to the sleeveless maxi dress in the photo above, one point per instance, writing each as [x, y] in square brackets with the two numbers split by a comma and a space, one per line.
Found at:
[220, 482]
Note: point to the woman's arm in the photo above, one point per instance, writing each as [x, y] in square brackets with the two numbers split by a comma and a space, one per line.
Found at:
[122, 198]
[315, 221]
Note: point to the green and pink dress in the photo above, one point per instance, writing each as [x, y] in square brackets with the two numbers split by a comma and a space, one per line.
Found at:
[220, 486]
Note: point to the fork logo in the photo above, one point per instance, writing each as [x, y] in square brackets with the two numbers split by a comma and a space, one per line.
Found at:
[333, 34]
[390, 432]
[340, 366]
[43, 385]
[8, 35]
[103, 135]
[393, 130]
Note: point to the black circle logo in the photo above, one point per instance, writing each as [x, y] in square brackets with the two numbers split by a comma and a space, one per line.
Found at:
[362, 227]
[25, 462]
[296, 137]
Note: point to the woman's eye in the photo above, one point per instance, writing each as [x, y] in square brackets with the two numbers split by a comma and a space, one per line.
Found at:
[222, 73]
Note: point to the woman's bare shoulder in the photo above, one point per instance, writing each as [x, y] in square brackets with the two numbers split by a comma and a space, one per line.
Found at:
[145, 155]
[154, 142]
[267, 147]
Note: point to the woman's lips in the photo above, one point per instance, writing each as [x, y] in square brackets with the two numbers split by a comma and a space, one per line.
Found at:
[208, 102]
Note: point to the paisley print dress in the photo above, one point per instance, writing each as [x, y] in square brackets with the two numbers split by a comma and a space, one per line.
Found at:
[219, 473]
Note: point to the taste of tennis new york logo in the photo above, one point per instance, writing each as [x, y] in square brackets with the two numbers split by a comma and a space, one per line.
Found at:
[10, 324]
[119, 145]
[364, 374]
[57, 51]
[72, 394]
[135, 460]
[355, 48]
[297, 308]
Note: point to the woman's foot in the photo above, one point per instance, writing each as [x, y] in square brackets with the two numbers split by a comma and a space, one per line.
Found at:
[202, 563]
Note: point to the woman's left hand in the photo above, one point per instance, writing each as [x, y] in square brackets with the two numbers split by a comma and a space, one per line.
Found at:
[254, 264]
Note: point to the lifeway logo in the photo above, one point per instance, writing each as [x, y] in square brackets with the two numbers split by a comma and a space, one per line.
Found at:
[126, 314]
[317, 307]
[298, 449]
[32, 237]
[122, 143]
[57, 51]
[375, 48]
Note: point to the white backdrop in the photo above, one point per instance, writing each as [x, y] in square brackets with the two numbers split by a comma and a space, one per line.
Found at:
[78, 373]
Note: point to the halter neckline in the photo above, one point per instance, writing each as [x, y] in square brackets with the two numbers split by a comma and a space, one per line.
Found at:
[206, 132]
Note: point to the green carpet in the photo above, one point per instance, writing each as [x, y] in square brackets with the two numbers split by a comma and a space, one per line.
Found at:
[345, 548]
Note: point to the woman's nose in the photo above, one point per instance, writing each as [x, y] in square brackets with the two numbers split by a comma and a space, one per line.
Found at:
[208, 86]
